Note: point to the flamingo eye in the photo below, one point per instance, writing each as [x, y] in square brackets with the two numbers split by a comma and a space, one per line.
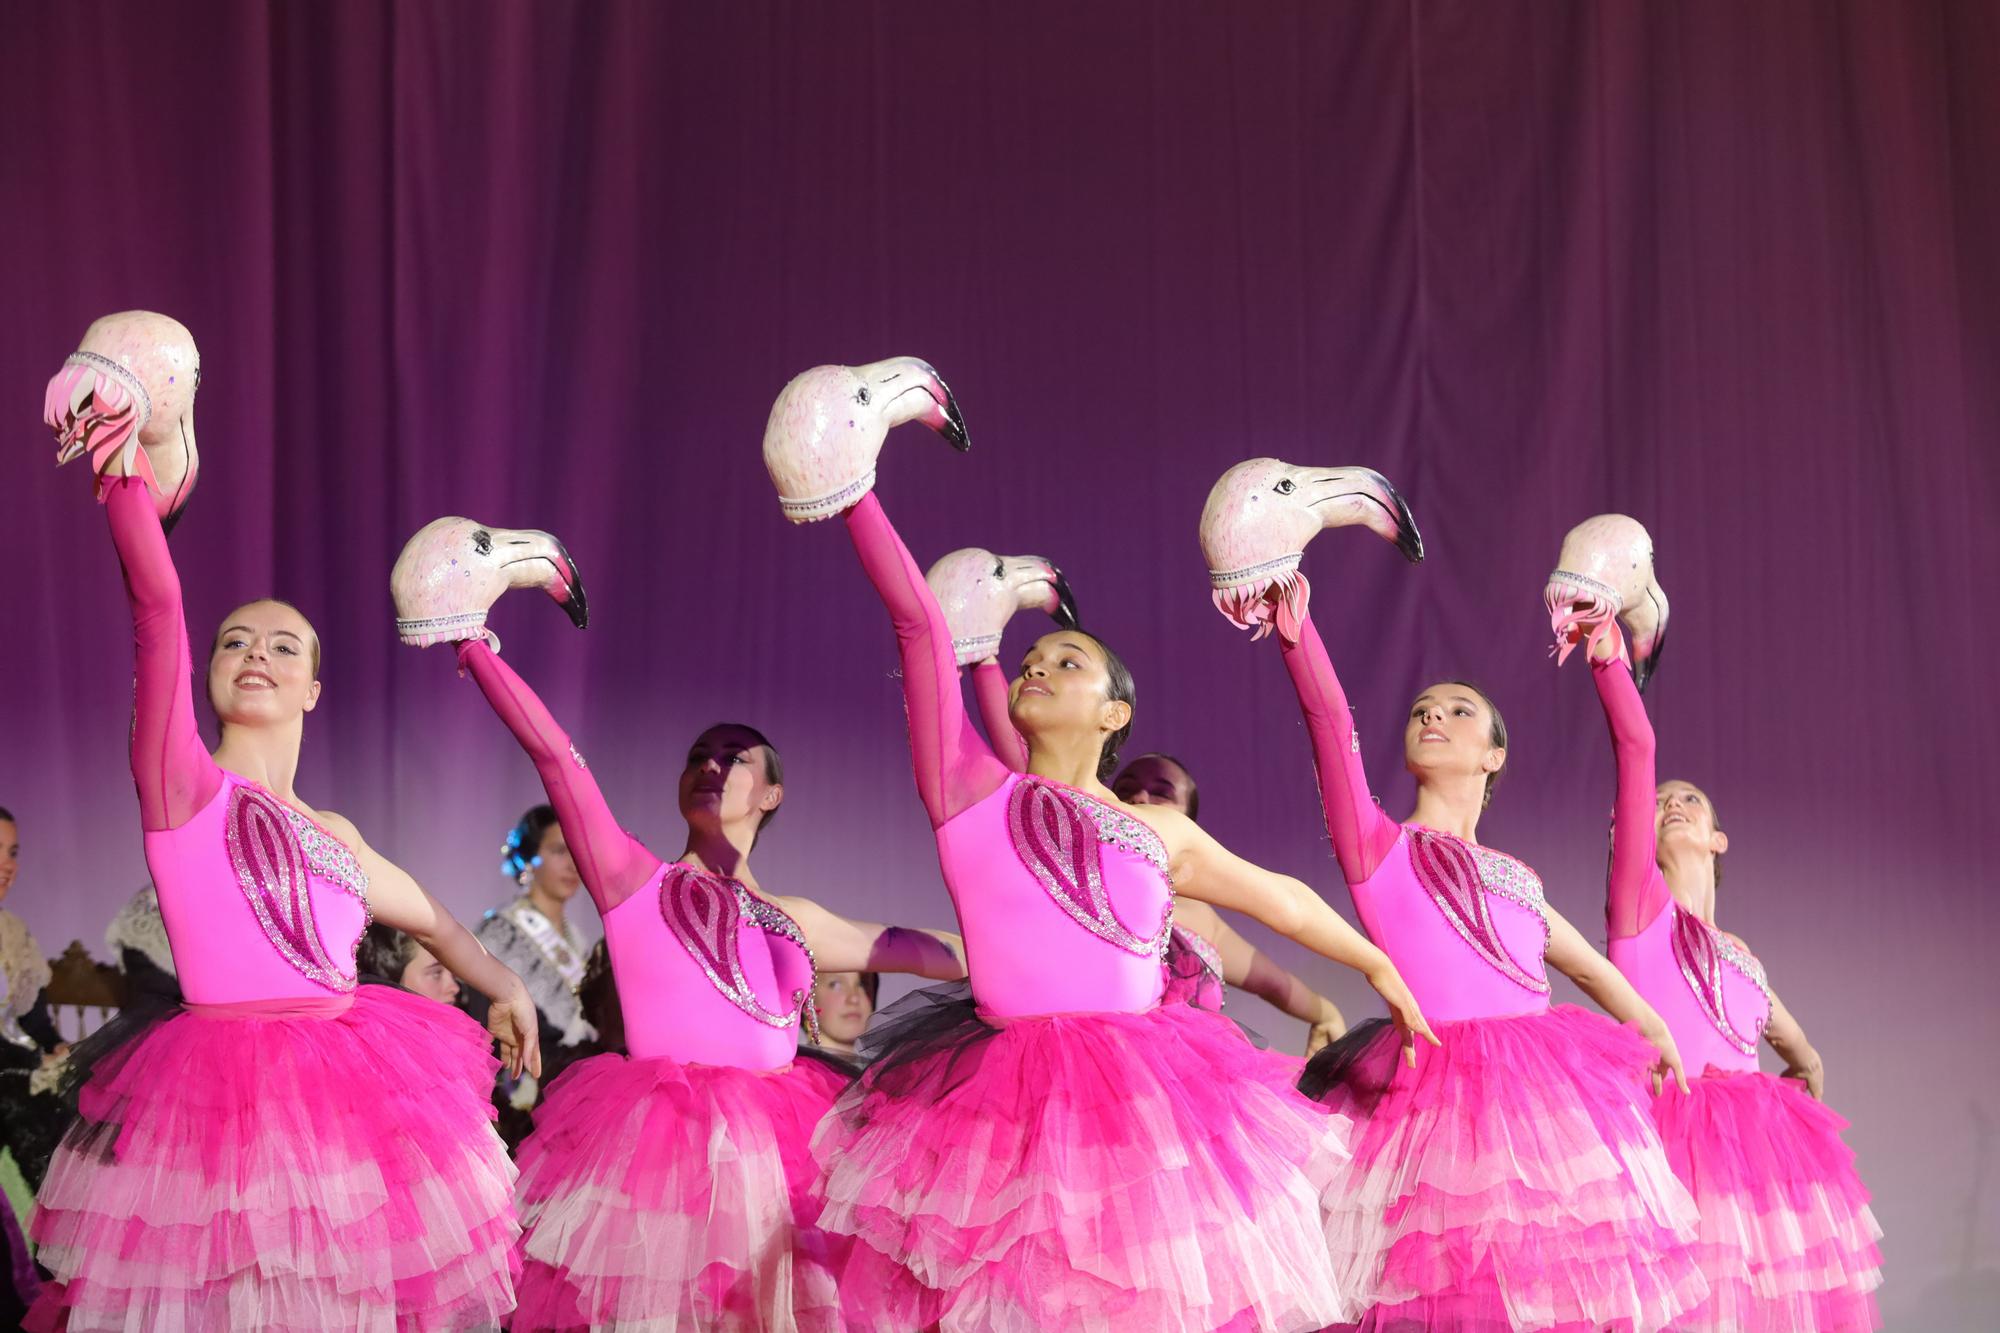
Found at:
[861, 395]
[1285, 486]
[482, 541]
[999, 569]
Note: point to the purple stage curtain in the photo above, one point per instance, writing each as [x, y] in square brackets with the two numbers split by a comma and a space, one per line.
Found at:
[1729, 268]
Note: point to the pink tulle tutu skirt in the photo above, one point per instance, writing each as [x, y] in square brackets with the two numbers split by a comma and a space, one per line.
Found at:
[1787, 1240]
[659, 1195]
[303, 1165]
[1511, 1180]
[1081, 1171]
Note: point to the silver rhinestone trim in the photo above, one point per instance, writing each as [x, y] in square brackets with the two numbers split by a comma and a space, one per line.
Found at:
[1230, 578]
[104, 365]
[831, 503]
[1114, 828]
[1603, 591]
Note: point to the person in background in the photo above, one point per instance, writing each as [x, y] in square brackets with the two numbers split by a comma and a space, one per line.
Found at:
[401, 961]
[846, 1001]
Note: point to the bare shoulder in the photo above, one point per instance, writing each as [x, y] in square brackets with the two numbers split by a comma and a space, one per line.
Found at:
[341, 827]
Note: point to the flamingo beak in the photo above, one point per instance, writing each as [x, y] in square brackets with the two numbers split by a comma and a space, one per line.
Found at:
[1367, 492]
[567, 588]
[1064, 610]
[953, 424]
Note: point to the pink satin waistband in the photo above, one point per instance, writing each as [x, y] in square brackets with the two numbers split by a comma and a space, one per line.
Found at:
[300, 1006]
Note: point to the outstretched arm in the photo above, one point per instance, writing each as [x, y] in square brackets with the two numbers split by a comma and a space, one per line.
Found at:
[1635, 893]
[1362, 835]
[1788, 1039]
[398, 901]
[955, 769]
[170, 766]
[1206, 870]
[611, 862]
[841, 945]
[1249, 968]
[1570, 954]
[989, 687]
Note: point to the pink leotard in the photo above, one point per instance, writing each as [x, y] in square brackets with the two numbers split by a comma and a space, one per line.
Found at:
[1064, 901]
[708, 973]
[1710, 990]
[1464, 924]
[260, 902]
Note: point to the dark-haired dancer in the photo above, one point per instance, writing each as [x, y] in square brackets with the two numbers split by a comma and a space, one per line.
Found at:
[675, 1185]
[1787, 1238]
[1511, 1178]
[1053, 1149]
[286, 1151]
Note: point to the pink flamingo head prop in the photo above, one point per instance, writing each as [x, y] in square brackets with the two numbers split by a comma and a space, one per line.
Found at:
[1261, 514]
[453, 570]
[1605, 571]
[827, 426]
[126, 396]
[979, 592]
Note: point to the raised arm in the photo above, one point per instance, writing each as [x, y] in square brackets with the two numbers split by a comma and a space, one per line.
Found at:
[1206, 870]
[1635, 892]
[1362, 835]
[989, 688]
[841, 945]
[611, 862]
[954, 768]
[172, 769]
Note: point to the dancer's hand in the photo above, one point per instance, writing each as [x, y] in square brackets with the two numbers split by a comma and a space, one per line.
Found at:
[512, 1023]
[1669, 1063]
[1403, 1010]
[1326, 1029]
[1811, 1076]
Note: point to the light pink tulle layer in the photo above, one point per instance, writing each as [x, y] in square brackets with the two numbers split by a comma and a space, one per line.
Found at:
[1787, 1240]
[657, 1195]
[1511, 1180]
[1089, 1171]
[305, 1173]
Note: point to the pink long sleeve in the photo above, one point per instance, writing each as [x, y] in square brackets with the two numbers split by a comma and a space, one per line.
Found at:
[611, 862]
[1362, 834]
[1636, 892]
[989, 687]
[172, 769]
[954, 767]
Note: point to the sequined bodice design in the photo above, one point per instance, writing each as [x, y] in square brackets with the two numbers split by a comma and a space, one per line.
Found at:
[1464, 924]
[259, 901]
[1065, 901]
[1710, 990]
[708, 972]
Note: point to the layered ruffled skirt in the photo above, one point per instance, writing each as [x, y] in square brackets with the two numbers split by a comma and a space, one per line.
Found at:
[1080, 1171]
[1787, 1239]
[309, 1165]
[1512, 1180]
[658, 1195]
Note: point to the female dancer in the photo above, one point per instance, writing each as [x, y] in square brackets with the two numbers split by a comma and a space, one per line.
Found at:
[1203, 952]
[1510, 1179]
[677, 1184]
[1057, 1150]
[287, 1151]
[1787, 1238]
